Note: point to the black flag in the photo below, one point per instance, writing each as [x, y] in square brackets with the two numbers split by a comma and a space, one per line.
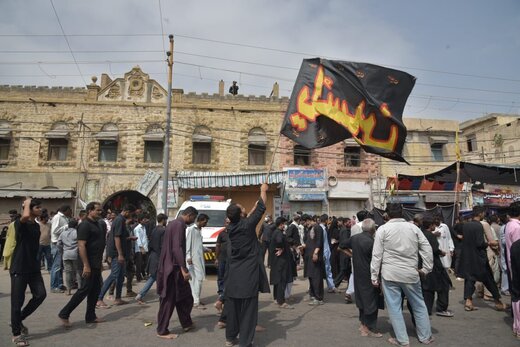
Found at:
[336, 100]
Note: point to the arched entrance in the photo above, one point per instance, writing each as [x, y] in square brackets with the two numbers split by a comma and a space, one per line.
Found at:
[116, 201]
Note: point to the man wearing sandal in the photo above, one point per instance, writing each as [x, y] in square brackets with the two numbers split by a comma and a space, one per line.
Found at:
[25, 270]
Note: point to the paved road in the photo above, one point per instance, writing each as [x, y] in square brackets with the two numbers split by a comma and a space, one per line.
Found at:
[332, 324]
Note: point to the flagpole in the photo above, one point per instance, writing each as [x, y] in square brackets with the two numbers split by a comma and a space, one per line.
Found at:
[272, 157]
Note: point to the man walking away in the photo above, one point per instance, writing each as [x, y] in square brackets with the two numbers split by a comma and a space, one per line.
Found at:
[173, 276]
[25, 270]
[91, 243]
[246, 274]
[397, 247]
[195, 258]
[154, 252]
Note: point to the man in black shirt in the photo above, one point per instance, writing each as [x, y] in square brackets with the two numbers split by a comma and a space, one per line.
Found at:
[91, 243]
[25, 270]
[118, 250]
[246, 274]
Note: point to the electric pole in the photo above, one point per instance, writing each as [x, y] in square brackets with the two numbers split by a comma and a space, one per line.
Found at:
[166, 154]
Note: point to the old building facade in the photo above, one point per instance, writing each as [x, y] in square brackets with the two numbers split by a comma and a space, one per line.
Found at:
[98, 143]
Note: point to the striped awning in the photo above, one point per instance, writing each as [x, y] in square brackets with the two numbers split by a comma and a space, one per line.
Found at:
[203, 179]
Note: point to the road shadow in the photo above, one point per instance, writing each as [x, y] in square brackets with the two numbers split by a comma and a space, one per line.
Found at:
[81, 325]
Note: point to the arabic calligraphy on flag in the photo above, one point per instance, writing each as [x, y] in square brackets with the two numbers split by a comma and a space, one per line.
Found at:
[336, 100]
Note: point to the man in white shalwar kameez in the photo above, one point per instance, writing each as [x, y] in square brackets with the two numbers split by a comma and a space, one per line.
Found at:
[442, 231]
[195, 257]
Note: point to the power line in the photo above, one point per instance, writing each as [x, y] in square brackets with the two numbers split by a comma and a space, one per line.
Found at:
[67, 41]
[231, 70]
[265, 48]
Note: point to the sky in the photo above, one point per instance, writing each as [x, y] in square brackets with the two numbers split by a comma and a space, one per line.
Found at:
[464, 53]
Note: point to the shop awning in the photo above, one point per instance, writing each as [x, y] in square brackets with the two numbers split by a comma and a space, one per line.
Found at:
[203, 179]
[37, 193]
[472, 172]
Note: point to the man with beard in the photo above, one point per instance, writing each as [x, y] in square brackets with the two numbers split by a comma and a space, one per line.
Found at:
[173, 277]
[91, 243]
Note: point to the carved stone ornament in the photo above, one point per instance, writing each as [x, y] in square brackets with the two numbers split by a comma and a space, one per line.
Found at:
[136, 87]
[114, 92]
[156, 93]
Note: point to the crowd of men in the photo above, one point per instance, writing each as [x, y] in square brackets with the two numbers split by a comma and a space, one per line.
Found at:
[384, 265]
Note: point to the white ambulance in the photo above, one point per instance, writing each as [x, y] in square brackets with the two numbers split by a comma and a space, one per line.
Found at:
[215, 207]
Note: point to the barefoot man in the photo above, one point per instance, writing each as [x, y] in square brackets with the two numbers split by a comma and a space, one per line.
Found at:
[173, 277]
[91, 243]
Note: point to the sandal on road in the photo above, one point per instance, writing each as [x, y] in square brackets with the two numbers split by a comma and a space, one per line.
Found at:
[20, 341]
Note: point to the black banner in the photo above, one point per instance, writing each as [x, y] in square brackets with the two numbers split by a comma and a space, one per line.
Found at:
[336, 100]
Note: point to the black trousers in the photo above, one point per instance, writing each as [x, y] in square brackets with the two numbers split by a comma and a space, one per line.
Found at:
[487, 280]
[368, 320]
[90, 289]
[344, 269]
[443, 297]
[242, 317]
[140, 266]
[279, 292]
[19, 283]
[316, 287]
[129, 273]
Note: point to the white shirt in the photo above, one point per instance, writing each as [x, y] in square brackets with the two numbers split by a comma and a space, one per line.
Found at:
[58, 224]
[445, 244]
[142, 239]
[397, 246]
[195, 252]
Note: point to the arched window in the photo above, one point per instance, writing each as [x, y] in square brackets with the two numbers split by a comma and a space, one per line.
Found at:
[201, 141]
[302, 155]
[153, 144]
[257, 147]
[58, 139]
[108, 139]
